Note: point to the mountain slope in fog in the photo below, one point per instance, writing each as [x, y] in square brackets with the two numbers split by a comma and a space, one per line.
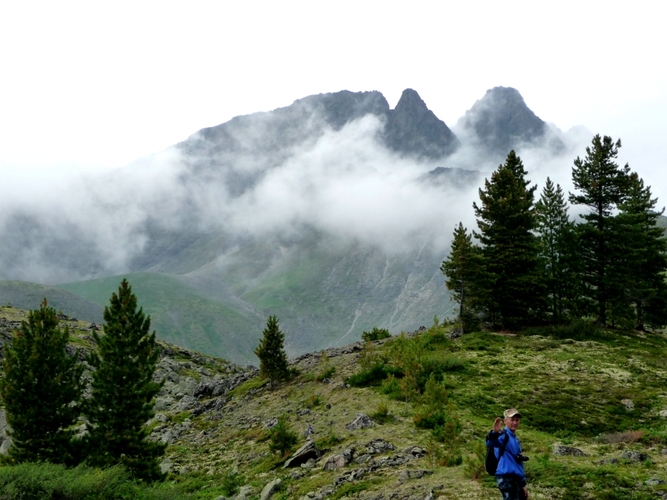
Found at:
[334, 213]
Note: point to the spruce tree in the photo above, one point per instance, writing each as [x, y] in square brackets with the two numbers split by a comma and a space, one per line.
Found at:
[41, 390]
[123, 390]
[645, 251]
[461, 269]
[558, 252]
[601, 186]
[271, 354]
[510, 285]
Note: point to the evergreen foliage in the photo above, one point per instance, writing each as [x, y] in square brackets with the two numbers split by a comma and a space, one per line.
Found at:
[644, 251]
[510, 284]
[282, 438]
[375, 334]
[41, 390]
[461, 269]
[271, 354]
[601, 186]
[559, 253]
[123, 390]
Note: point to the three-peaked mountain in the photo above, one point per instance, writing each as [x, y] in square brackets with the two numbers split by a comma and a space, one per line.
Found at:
[333, 213]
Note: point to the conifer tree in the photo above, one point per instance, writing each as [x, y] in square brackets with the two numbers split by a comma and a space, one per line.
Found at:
[510, 285]
[271, 354]
[41, 390]
[123, 389]
[601, 186]
[645, 251]
[461, 268]
[558, 252]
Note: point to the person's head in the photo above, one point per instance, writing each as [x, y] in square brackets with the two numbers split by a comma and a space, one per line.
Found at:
[512, 419]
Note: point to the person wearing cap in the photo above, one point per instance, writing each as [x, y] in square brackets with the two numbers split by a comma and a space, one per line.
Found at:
[510, 476]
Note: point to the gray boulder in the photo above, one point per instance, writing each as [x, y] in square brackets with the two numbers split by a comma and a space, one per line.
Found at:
[361, 421]
[270, 489]
[302, 455]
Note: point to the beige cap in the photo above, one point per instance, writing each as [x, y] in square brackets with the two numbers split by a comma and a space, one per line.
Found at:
[512, 412]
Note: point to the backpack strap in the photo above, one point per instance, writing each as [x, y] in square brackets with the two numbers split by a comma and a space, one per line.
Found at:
[503, 446]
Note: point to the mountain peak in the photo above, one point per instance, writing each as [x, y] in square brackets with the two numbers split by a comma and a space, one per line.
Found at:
[414, 129]
[501, 121]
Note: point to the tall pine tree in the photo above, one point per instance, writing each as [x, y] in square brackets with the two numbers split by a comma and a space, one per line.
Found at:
[123, 389]
[645, 250]
[510, 285]
[558, 252]
[271, 354]
[601, 186]
[461, 269]
[41, 390]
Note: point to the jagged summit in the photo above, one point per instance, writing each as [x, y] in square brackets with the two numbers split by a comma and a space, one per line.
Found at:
[413, 129]
[501, 121]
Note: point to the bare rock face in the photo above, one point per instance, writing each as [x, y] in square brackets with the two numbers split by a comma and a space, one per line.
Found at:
[501, 121]
[413, 129]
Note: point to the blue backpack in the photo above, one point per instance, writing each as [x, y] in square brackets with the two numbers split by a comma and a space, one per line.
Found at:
[491, 462]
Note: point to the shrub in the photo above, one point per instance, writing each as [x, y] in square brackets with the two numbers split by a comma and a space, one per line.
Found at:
[376, 334]
[427, 418]
[326, 373]
[391, 387]
[313, 401]
[44, 480]
[381, 414]
[282, 438]
[374, 375]
[474, 463]
[230, 483]
[578, 330]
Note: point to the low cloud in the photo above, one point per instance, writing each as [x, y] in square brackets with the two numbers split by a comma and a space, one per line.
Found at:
[341, 182]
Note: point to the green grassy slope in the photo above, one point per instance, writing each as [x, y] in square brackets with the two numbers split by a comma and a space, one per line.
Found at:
[571, 392]
[29, 296]
[181, 315]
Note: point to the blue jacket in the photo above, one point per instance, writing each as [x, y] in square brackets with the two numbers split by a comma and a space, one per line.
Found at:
[507, 466]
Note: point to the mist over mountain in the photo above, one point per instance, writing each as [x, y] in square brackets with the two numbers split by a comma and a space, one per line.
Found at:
[501, 121]
[333, 213]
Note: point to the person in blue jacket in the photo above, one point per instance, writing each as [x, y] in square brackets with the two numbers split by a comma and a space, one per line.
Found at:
[510, 476]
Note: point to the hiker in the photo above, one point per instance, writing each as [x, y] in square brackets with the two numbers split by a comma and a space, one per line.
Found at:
[510, 477]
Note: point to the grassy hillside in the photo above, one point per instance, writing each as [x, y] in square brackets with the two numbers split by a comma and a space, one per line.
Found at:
[324, 292]
[23, 295]
[181, 315]
[605, 396]
[600, 397]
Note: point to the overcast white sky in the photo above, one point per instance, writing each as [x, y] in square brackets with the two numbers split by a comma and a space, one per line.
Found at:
[88, 86]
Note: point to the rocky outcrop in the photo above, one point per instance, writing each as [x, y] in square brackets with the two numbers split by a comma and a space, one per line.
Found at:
[413, 130]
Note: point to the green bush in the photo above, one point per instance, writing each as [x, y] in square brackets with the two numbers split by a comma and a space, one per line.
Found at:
[579, 330]
[374, 375]
[381, 414]
[230, 483]
[45, 481]
[391, 387]
[282, 438]
[427, 418]
[376, 334]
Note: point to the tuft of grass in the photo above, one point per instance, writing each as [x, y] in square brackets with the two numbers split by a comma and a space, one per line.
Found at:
[247, 386]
